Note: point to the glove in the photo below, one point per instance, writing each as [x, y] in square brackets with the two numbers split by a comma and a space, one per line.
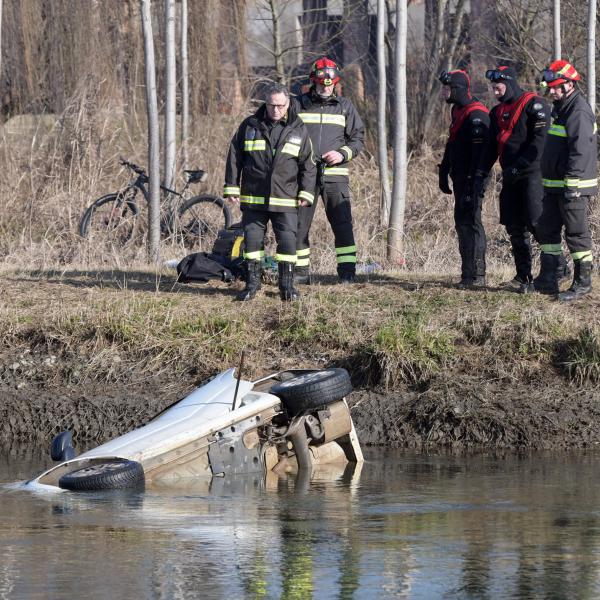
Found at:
[510, 175]
[443, 180]
[571, 193]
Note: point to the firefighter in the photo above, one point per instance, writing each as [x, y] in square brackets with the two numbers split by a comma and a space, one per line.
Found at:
[468, 136]
[518, 127]
[337, 134]
[569, 172]
[270, 171]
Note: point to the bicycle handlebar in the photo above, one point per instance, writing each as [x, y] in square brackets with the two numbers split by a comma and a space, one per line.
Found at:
[133, 167]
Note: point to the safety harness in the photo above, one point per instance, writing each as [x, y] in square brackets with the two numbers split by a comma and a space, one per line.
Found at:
[506, 125]
[460, 114]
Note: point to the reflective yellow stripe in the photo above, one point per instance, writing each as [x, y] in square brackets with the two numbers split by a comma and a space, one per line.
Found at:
[290, 202]
[346, 259]
[345, 249]
[336, 170]
[553, 183]
[303, 195]
[231, 190]
[584, 255]
[555, 249]
[334, 120]
[254, 255]
[237, 246]
[557, 130]
[290, 149]
[572, 181]
[252, 199]
[291, 258]
[578, 183]
[253, 145]
[347, 151]
[303, 252]
[303, 262]
[310, 117]
[587, 183]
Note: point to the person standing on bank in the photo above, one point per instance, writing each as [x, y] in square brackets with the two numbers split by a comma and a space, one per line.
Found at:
[468, 136]
[570, 177]
[337, 135]
[270, 171]
[518, 127]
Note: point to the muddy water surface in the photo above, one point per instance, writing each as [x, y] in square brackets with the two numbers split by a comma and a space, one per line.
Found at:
[406, 525]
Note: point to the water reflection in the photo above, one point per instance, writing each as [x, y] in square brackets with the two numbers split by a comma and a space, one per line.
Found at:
[406, 526]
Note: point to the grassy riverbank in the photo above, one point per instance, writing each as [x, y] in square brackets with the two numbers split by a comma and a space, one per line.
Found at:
[432, 364]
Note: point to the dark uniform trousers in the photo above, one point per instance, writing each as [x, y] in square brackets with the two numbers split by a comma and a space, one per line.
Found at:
[285, 224]
[470, 231]
[521, 205]
[336, 199]
[573, 215]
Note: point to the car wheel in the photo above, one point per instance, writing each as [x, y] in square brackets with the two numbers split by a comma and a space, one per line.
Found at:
[114, 474]
[313, 390]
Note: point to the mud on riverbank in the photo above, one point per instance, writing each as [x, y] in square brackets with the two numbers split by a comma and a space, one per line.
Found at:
[102, 353]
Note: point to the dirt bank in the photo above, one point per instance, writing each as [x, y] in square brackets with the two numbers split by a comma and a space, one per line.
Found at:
[101, 353]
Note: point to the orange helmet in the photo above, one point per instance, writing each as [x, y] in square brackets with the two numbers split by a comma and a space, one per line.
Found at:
[325, 72]
[560, 71]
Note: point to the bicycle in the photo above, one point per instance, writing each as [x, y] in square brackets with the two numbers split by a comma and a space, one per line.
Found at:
[195, 221]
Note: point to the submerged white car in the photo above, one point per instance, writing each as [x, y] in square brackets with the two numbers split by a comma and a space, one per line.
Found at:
[285, 422]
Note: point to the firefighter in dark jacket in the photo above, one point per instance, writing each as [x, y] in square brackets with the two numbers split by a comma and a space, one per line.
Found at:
[570, 177]
[337, 134]
[468, 136]
[270, 170]
[518, 127]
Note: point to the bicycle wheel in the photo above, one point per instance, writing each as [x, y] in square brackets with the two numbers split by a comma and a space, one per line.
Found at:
[111, 218]
[199, 220]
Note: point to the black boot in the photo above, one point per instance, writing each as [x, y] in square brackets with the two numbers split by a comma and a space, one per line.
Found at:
[582, 282]
[253, 271]
[346, 273]
[302, 275]
[547, 281]
[287, 291]
[562, 270]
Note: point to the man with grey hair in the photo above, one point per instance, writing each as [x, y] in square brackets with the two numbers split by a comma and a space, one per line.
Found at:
[270, 172]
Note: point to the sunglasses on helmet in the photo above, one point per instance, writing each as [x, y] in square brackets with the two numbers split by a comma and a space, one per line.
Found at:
[327, 73]
[445, 78]
[496, 75]
[548, 76]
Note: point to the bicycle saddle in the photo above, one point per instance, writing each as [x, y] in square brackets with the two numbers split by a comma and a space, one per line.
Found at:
[197, 176]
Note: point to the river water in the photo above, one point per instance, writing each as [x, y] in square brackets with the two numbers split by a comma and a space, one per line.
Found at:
[406, 526]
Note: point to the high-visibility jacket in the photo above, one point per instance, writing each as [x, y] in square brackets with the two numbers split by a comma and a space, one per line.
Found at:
[466, 140]
[333, 124]
[524, 145]
[270, 176]
[569, 159]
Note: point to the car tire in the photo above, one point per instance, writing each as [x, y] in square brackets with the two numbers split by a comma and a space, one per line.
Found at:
[313, 390]
[114, 474]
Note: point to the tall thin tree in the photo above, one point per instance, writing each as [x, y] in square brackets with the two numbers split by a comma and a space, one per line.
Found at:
[556, 29]
[591, 54]
[185, 93]
[395, 242]
[381, 114]
[170, 94]
[153, 133]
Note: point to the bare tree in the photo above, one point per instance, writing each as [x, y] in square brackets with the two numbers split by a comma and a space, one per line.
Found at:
[170, 94]
[153, 134]
[395, 243]
[185, 94]
[591, 54]
[556, 29]
[382, 114]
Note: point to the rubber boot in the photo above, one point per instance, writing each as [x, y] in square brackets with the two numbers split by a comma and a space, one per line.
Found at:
[562, 270]
[253, 271]
[302, 275]
[346, 273]
[547, 281]
[287, 291]
[582, 282]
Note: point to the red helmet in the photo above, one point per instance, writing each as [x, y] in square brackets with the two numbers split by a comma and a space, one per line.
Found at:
[325, 72]
[559, 72]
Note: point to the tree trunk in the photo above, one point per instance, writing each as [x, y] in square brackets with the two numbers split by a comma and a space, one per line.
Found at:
[153, 135]
[459, 14]
[556, 28]
[277, 50]
[591, 54]
[384, 215]
[395, 244]
[170, 93]
[185, 94]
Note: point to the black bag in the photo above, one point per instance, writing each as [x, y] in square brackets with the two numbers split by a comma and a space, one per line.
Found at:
[225, 262]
